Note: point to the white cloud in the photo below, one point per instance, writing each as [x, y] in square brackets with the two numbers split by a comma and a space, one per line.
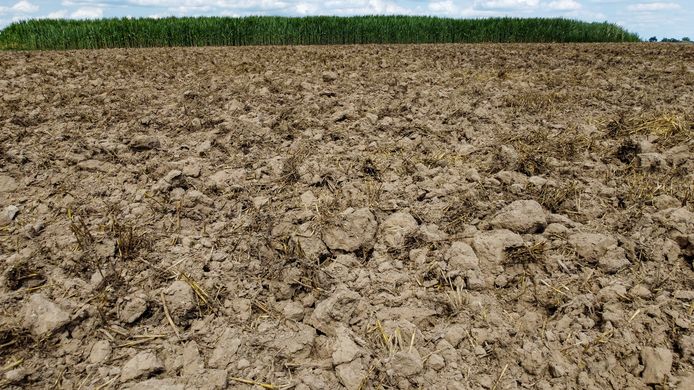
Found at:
[172, 3]
[587, 15]
[446, 7]
[205, 3]
[61, 14]
[95, 3]
[564, 5]
[506, 4]
[222, 7]
[306, 8]
[184, 10]
[87, 13]
[24, 7]
[450, 8]
[658, 6]
[281, 7]
[341, 7]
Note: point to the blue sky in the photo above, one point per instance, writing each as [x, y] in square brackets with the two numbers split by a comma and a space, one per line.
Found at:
[670, 18]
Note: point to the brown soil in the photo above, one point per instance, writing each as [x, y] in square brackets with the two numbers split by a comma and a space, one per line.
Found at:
[437, 217]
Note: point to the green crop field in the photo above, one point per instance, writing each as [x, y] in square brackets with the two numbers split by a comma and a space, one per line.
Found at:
[315, 30]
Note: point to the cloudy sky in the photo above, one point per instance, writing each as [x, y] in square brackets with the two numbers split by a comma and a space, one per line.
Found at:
[670, 18]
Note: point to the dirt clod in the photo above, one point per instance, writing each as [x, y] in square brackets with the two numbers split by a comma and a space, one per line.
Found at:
[143, 364]
[396, 228]
[8, 214]
[354, 230]
[161, 384]
[592, 246]
[329, 76]
[351, 375]
[7, 183]
[16, 375]
[225, 349]
[657, 365]
[335, 311]
[461, 256]
[180, 299]
[101, 350]
[133, 309]
[406, 363]
[490, 246]
[144, 142]
[521, 216]
[43, 316]
[346, 350]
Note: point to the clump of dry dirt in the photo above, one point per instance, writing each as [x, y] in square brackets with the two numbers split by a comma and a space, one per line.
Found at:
[400, 217]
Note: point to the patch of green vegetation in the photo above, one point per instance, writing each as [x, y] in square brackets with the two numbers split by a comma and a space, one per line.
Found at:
[315, 30]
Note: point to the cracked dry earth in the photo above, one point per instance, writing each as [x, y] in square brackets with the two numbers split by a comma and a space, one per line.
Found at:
[396, 217]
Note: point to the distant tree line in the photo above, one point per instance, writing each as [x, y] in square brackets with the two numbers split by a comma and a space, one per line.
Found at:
[684, 39]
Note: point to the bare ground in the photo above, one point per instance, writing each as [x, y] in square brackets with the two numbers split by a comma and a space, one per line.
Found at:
[436, 217]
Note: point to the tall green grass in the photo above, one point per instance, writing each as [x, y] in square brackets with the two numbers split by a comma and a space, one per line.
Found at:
[272, 30]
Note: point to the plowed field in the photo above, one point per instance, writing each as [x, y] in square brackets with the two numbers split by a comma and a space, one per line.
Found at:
[396, 217]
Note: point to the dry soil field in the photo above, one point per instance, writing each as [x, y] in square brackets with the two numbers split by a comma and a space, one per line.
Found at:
[396, 217]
